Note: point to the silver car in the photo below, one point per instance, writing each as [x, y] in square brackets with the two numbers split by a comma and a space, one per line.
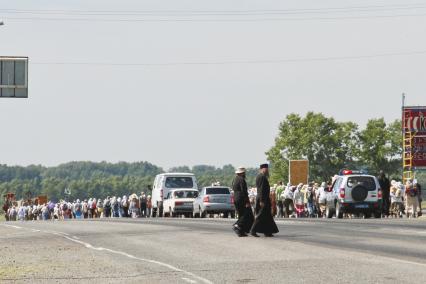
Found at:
[214, 200]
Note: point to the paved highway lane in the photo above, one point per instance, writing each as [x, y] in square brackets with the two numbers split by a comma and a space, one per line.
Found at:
[207, 251]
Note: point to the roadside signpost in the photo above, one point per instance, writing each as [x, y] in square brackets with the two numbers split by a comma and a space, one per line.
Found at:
[414, 140]
[13, 77]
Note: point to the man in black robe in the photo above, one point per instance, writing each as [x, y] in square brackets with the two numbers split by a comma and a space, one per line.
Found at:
[264, 222]
[242, 204]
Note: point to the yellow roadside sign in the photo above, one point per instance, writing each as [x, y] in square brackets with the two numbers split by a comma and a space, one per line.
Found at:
[298, 171]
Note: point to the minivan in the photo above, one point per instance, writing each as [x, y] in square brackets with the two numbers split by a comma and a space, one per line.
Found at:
[166, 182]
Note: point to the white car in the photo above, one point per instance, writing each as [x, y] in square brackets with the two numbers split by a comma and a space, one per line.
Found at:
[179, 202]
[164, 183]
[355, 193]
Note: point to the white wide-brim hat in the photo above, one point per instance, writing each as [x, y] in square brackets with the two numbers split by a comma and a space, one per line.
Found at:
[240, 170]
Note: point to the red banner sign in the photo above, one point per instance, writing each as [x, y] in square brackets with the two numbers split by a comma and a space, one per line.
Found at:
[415, 122]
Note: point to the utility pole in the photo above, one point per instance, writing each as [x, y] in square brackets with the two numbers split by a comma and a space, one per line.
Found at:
[403, 100]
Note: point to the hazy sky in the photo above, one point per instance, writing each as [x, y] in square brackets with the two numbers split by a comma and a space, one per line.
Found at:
[186, 114]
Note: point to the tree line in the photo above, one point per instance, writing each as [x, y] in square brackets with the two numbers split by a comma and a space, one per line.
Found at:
[89, 179]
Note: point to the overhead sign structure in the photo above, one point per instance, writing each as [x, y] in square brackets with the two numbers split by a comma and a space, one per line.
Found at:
[414, 122]
[298, 171]
[13, 77]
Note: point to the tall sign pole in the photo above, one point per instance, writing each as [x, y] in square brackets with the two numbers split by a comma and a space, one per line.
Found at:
[414, 139]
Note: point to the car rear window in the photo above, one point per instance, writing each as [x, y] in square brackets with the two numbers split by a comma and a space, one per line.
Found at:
[367, 182]
[186, 194]
[179, 182]
[217, 190]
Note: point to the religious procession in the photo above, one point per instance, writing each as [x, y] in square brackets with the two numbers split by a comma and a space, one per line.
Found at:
[132, 206]
[368, 196]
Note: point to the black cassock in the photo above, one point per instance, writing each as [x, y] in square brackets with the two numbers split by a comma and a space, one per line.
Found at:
[245, 214]
[264, 222]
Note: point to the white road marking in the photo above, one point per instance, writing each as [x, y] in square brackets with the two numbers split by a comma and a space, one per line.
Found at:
[189, 280]
[159, 263]
[77, 238]
[11, 226]
[171, 267]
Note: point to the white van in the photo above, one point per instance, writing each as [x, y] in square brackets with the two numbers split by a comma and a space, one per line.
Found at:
[163, 183]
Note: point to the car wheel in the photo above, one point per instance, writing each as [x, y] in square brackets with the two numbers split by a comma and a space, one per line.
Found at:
[339, 211]
[202, 214]
[366, 215]
[233, 215]
[359, 193]
[226, 215]
[172, 214]
[378, 214]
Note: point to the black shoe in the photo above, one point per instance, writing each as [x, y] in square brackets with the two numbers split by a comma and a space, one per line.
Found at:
[237, 230]
[269, 235]
[243, 235]
[253, 234]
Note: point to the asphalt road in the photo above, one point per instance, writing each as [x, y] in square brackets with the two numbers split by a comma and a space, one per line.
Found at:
[207, 251]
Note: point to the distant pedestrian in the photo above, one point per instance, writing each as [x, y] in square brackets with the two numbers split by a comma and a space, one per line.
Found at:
[100, 208]
[412, 200]
[149, 206]
[107, 207]
[142, 204]
[89, 208]
[323, 194]
[299, 201]
[288, 200]
[125, 206]
[21, 213]
[273, 198]
[134, 206]
[85, 207]
[310, 201]
[419, 195]
[120, 207]
[396, 199]
[93, 209]
[280, 201]
[242, 204]
[78, 213]
[385, 186]
[264, 221]
[115, 207]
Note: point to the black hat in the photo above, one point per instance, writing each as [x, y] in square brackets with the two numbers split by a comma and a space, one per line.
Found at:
[264, 166]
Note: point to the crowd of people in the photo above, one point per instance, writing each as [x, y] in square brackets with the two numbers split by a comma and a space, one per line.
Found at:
[287, 201]
[133, 206]
[297, 201]
[310, 200]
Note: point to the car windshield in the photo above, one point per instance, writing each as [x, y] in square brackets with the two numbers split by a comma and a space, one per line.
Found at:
[367, 182]
[185, 194]
[179, 182]
[217, 190]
